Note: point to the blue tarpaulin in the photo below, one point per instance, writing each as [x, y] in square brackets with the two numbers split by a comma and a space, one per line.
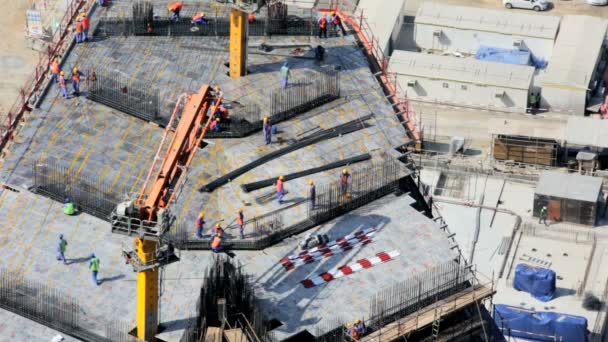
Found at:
[540, 325]
[508, 56]
[539, 282]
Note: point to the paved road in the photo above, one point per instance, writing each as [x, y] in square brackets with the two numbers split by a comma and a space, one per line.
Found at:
[560, 7]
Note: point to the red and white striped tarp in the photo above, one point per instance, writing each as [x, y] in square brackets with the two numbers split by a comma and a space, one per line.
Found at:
[337, 246]
[348, 269]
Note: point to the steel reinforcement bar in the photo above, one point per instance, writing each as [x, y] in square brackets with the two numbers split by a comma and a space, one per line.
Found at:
[353, 126]
[248, 187]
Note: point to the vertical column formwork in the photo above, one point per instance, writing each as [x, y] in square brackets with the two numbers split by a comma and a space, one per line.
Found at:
[238, 43]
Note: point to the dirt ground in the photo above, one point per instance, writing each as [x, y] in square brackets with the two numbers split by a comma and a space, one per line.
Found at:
[17, 61]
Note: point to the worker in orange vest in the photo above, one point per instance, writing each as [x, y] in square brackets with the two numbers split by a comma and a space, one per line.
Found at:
[216, 243]
[78, 31]
[323, 26]
[86, 25]
[76, 81]
[337, 23]
[240, 221]
[214, 126]
[344, 182]
[55, 70]
[175, 8]
[223, 112]
[199, 18]
[251, 18]
[280, 187]
[62, 84]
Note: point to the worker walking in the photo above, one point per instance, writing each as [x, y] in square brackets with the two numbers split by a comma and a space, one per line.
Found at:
[86, 25]
[285, 74]
[216, 243]
[323, 26]
[240, 221]
[62, 84]
[312, 193]
[267, 129]
[199, 19]
[61, 247]
[79, 29]
[280, 187]
[543, 215]
[199, 224]
[175, 8]
[94, 267]
[337, 23]
[344, 183]
[55, 70]
[76, 81]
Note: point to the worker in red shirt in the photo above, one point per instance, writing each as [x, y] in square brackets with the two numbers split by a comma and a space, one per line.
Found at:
[280, 189]
[78, 31]
[86, 25]
[55, 70]
[199, 224]
[344, 182]
[175, 8]
[323, 26]
[251, 18]
[240, 221]
[215, 125]
[62, 84]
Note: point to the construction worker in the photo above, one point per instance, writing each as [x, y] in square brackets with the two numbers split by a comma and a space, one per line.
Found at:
[215, 125]
[199, 19]
[352, 332]
[217, 92]
[217, 229]
[344, 182]
[94, 267]
[251, 18]
[76, 81]
[285, 74]
[175, 8]
[223, 112]
[319, 53]
[86, 25]
[337, 22]
[323, 26]
[61, 246]
[69, 208]
[216, 243]
[532, 99]
[312, 192]
[359, 327]
[267, 129]
[200, 224]
[78, 31]
[55, 70]
[62, 84]
[280, 187]
[543, 215]
[240, 221]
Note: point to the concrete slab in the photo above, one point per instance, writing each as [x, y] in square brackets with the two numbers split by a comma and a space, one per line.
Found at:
[12, 329]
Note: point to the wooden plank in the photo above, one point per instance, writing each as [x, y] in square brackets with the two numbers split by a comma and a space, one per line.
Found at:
[213, 335]
[235, 335]
[426, 316]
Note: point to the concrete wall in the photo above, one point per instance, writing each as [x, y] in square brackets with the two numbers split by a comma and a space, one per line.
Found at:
[385, 20]
[464, 94]
[564, 100]
[453, 39]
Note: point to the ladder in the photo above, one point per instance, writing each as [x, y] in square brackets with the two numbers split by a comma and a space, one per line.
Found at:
[436, 321]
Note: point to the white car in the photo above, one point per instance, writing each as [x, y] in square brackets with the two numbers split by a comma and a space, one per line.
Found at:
[537, 5]
[597, 2]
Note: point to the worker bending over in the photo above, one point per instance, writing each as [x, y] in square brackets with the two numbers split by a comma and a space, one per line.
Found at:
[199, 19]
[175, 8]
[199, 224]
[337, 23]
[69, 208]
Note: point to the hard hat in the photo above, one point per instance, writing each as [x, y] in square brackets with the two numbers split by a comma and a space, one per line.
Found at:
[344, 171]
[83, 14]
[348, 325]
[202, 15]
[216, 88]
[62, 73]
[217, 119]
[332, 13]
[357, 321]
[60, 236]
[311, 182]
[239, 211]
[265, 119]
[201, 214]
[92, 255]
[217, 225]
[56, 59]
[281, 177]
[75, 69]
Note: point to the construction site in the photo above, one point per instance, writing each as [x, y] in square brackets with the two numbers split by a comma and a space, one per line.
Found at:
[291, 170]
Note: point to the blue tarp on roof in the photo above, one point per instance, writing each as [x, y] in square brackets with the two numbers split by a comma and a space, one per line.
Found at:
[540, 325]
[513, 56]
[538, 281]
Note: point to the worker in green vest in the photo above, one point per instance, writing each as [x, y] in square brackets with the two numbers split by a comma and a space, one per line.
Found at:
[68, 207]
[543, 215]
[94, 267]
[61, 247]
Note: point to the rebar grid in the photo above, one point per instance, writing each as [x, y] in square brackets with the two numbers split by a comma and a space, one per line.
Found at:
[88, 193]
[53, 308]
[123, 93]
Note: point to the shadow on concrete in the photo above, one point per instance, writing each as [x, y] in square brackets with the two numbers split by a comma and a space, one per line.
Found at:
[112, 278]
[77, 260]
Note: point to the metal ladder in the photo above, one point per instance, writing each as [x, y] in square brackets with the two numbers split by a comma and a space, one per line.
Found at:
[436, 321]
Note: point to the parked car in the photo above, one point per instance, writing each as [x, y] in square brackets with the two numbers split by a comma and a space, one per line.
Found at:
[537, 5]
[597, 2]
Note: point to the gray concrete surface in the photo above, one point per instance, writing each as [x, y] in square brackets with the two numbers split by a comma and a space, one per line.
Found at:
[16, 328]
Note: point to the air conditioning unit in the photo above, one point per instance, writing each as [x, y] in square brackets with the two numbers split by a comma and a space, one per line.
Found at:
[518, 43]
[437, 33]
[499, 94]
[412, 83]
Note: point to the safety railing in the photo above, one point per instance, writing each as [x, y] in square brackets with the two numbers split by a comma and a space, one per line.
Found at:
[35, 82]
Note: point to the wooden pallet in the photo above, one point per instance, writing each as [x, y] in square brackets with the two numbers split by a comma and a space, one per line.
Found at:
[235, 335]
[426, 315]
[213, 335]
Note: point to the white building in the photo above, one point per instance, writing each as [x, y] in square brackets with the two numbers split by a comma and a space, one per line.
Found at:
[463, 29]
[463, 81]
[572, 75]
[385, 20]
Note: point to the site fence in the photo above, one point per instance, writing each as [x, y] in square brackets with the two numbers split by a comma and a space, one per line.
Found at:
[52, 308]
[88, 193]
[122, 93]
[301, 96]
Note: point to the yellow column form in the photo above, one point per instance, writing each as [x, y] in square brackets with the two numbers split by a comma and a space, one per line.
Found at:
[147, 293]
[238, 43]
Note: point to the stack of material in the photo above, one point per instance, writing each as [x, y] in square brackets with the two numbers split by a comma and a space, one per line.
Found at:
[526, 150]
